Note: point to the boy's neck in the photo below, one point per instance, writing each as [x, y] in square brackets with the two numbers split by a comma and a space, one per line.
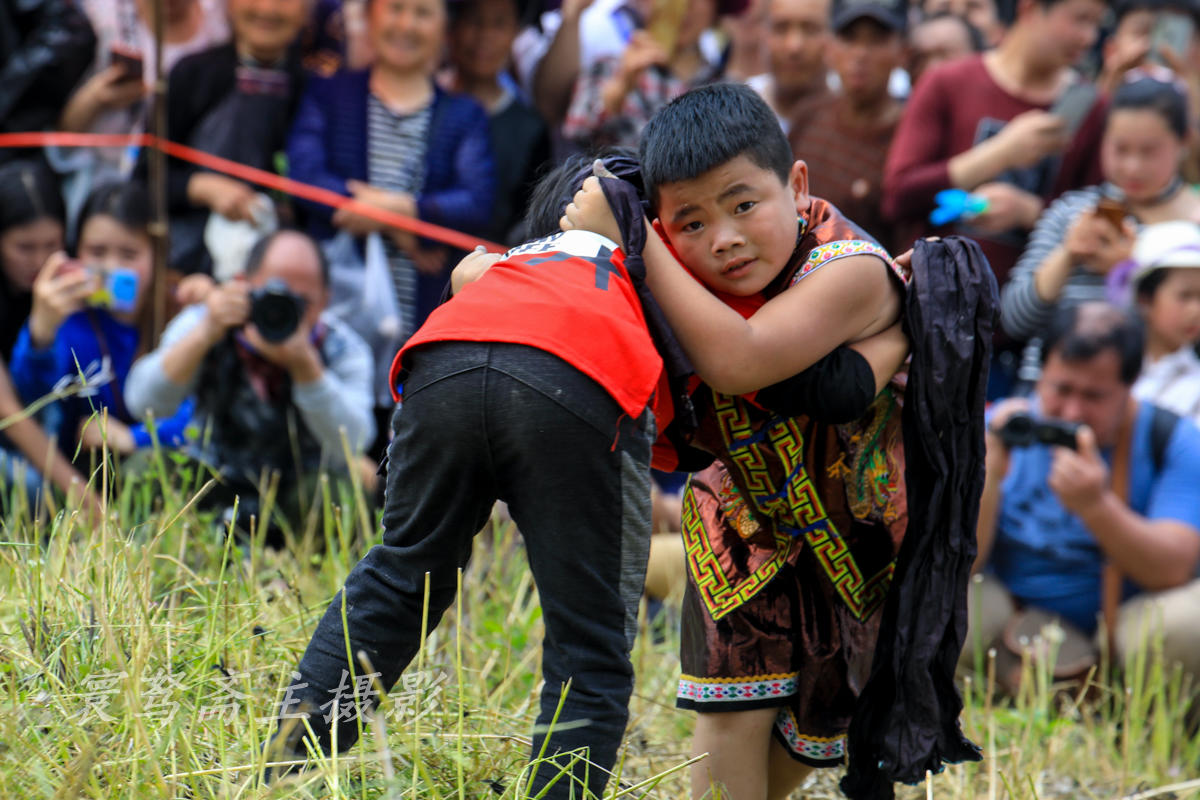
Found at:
[1022, 71]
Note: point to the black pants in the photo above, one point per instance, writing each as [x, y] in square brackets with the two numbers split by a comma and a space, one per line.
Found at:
[485, 421]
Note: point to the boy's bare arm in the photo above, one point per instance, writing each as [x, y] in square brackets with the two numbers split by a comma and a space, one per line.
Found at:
[789, 333]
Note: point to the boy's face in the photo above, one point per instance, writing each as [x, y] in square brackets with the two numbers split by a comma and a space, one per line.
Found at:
[735, 226]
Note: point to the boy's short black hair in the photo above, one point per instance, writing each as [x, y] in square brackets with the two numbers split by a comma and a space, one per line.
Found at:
[707, 127]
[554, 190]
[1081, 332]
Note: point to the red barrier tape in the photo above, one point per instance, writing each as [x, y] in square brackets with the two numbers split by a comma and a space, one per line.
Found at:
[260, 177]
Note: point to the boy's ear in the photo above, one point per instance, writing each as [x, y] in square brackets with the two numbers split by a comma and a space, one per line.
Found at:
[798, 184]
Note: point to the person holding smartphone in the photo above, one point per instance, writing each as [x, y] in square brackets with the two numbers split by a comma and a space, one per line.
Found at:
[1086, 234]
[614, 100]
[77, 343]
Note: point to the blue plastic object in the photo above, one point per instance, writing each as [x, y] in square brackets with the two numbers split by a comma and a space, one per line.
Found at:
[956, 204]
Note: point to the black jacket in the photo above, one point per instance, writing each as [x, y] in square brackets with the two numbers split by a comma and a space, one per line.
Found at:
[45, 47]
[906, 721]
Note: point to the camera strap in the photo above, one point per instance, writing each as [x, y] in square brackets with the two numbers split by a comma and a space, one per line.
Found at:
[1111, 578]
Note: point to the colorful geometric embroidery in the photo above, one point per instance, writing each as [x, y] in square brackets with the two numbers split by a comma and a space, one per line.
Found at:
[719, 596]
[822, 254]
[861, 597]
[718, 690]
[796, 509]
[816, 748]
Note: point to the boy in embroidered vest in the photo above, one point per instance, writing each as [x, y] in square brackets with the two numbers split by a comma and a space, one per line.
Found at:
[533, 384]
[791, 535]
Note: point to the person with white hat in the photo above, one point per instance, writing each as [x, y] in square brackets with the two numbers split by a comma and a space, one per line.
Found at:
[1166, 286]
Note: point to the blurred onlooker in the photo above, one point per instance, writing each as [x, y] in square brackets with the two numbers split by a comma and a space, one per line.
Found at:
[938, 39]
[32, 225]
[984, 125]
[1166, 287]
[845, 140]
[797, 33]
[984, 15]
[278, 382]
[1125, 494]
[86, 325]
[1075, 246]
[26, 453]
[31, 230]
[549, 55]
[391, 138]
[481, 37]
[1134, 41]
[235, 101]
[336, 37]
[111, 98]
[615, 98]
[746, 57]
[45, 46]
[1157, 35]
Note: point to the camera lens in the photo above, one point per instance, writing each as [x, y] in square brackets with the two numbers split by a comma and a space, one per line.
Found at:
[275, 311]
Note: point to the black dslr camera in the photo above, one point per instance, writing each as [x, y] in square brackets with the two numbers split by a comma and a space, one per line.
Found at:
[1022, 430]
[275, 310]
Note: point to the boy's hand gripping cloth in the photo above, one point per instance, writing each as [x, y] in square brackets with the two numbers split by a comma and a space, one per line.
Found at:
[630, 214]
[906, 720]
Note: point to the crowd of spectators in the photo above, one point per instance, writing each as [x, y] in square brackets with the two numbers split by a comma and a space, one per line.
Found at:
[1069, 125]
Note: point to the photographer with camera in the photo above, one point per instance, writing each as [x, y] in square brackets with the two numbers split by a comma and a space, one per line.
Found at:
[1090, 507]
[277, 381]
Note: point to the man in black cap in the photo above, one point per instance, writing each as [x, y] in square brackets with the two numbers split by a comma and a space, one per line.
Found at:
[845, 141]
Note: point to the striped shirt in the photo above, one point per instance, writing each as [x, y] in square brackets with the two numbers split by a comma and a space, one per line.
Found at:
[396, 146]
[1022, 312]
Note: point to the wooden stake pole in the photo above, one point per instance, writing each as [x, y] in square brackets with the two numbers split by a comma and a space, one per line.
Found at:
[158, 179]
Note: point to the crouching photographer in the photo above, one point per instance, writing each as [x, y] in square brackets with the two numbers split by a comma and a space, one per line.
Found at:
[1090, 515]
[278, 383]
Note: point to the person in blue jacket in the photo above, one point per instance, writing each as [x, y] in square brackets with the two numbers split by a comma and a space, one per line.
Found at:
[390, 137]
[86, 327]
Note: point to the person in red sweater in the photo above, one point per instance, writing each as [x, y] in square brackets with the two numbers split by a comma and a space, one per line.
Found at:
[984, 124]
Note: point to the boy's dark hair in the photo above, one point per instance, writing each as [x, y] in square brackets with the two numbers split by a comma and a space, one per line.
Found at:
[554, 190]
[1082, 332]
[28, 192]
[258, 252]
[125, 201]
[1148, 94]
[707, 127]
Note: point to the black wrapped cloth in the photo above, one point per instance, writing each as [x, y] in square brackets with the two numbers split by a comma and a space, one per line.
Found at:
[906, 721]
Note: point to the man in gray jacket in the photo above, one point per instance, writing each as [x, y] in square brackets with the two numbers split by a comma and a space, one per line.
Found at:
[280, 386]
